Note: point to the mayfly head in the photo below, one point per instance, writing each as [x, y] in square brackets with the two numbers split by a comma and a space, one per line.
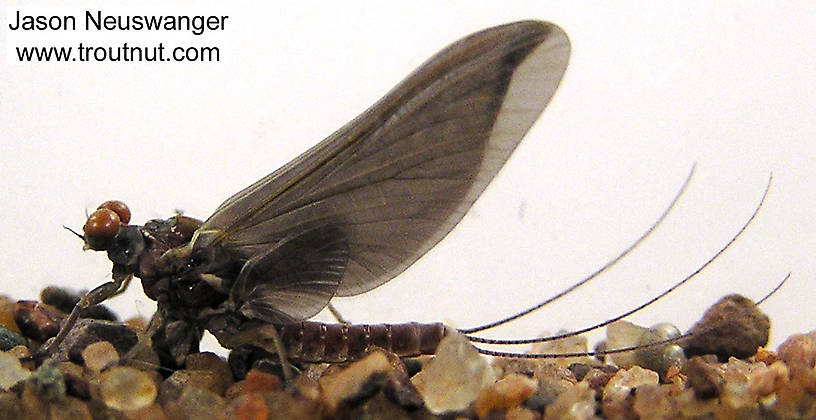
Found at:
[104, 224]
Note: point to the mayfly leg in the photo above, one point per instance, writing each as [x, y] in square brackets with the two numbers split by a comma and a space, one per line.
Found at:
[96, 296]
[649, 302]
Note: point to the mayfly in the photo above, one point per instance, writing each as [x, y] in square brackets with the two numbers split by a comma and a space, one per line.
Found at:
[344, 217]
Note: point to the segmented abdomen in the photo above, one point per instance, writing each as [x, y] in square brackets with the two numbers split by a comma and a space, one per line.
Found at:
[336, 343]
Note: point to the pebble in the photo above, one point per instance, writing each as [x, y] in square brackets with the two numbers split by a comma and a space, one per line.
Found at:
[211, 362]
[733, 326]
[705, 376]
[69, 408]
[250, 406]
[99, 355]
[623, 334]
[359, 381]
[285, 405]
[47, 381]
[618, 396]
[553, 378]
[399, 389]
[202, 404]
[7, 306]
[597, 378]
[172, 387]
[653, 401]
[151, 412]
[37, 320]
[127, 388]
[11, 371]
[76, 382]
[88, 331]
[771, 384]
[507, 393]
[10, 339]
[660, 358]
[799, 350]
[258, 381]
[10, 406]
[455, 376]
[576, 403]
[65, 300]
[574, 344]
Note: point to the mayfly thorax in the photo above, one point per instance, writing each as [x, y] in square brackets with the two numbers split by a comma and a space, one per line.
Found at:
[344, 217]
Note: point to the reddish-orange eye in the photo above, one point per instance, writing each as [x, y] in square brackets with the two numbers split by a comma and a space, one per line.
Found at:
[118, 207]
[101, 227]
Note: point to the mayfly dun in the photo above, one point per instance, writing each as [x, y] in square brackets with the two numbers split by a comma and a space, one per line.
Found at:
[344, 217]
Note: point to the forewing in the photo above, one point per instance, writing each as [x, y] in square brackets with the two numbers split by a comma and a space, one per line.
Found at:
[398, 178]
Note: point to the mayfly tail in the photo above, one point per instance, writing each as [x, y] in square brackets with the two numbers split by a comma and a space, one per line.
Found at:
[597, 272]
[656, 344]
[733, 239]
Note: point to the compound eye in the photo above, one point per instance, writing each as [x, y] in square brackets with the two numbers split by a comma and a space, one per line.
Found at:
[121, 209]
[100, 229]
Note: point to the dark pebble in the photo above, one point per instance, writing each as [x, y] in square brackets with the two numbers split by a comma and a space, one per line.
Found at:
[399, 389]
[734, 326]
[11, 407]
[61, 298]
[88, 331]
[65, 300]
[412, 365]
[704, 376]
[75, 381]
[36, 320]
[368, 389]
[10, 339]
[580, 370]
[245, 358]
[538, 403]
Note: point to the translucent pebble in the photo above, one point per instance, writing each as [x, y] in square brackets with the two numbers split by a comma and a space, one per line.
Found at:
[653, 402]
[11, 371]
[623, 334]
[618, 390]
[453, 379]
[99, 355]
[620, 386]
[507, 393]
[577, 403]
[126, 388]
[574, 344]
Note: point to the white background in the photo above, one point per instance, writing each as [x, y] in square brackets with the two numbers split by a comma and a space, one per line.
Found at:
[650, 90]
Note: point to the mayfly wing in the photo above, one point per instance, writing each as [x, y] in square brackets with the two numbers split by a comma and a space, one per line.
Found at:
[396, 179]
[306, 270]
